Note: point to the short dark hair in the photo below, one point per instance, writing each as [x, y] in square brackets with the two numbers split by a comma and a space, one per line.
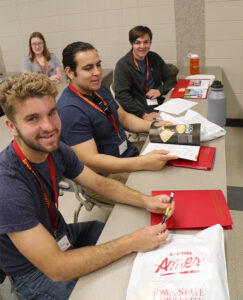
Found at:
[69, 52]
[138, 31]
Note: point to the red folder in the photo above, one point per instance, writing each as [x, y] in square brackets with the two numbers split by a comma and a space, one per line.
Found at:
[204, 161]
[196, 210]
[179, 89]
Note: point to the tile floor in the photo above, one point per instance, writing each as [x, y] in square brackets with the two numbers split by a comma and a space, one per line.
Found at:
[234, 155]
[234, 247]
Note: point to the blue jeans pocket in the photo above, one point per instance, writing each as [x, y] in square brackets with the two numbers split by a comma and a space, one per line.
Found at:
[37, 286]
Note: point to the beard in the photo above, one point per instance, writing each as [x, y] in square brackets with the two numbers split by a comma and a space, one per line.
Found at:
[33, 144]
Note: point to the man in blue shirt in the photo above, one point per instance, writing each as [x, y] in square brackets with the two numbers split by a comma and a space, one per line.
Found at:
[42, 255]
[92, 122]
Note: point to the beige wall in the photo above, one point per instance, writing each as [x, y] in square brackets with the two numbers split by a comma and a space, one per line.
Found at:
[105, 23]
[224, 47]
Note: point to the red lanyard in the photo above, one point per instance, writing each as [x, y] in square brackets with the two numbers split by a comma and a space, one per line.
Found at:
[147, 72]
[109, 116]
[53, 177]
[43, 70]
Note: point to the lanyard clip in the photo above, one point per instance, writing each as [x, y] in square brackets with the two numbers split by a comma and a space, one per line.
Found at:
[106, 110]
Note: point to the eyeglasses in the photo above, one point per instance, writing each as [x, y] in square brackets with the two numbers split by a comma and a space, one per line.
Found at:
[138, 43]
[37, 44]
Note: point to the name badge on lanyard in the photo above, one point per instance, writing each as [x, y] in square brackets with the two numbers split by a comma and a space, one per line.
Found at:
[122, 147]
[152, 101]
[64, 243]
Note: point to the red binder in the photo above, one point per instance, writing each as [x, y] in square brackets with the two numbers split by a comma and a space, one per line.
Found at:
[204, 161]
[197, 209]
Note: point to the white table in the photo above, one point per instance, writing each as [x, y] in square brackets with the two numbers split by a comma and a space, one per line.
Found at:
[111, 282]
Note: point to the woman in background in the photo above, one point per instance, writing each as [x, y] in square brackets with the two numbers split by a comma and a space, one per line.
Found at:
[40, 60]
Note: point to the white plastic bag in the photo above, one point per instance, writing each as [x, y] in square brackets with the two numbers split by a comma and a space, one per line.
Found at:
[209, 130]
[187, 267]
[202, 76]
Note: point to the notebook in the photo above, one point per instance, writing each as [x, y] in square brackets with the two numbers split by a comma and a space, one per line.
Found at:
[204, 161]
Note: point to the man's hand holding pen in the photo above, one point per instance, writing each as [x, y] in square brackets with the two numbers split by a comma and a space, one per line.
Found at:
[151, 237]
[158, 205]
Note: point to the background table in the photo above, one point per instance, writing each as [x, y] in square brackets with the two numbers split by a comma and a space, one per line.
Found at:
[111, 282]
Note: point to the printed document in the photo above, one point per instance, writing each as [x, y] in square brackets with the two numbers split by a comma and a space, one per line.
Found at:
[181, 151]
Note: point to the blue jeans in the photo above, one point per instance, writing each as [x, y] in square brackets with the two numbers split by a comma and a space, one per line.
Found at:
[37, 286]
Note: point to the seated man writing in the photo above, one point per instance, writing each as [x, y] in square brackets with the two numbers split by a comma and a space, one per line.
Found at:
[142, 77]
[92, 122]
[41, 254]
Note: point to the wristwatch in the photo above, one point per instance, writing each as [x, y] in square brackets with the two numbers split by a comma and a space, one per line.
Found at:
[152, 124]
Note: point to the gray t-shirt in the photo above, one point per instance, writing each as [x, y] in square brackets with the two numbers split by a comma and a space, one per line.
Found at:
[29, 66]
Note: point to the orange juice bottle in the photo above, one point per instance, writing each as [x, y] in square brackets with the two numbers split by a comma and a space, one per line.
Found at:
[194, 64]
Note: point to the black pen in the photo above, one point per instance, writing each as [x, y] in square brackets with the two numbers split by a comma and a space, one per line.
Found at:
[168, 208]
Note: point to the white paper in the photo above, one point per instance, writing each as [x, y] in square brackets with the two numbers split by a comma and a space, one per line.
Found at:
[181, 151]
[202, 76]
[176, 106]
[208, 131]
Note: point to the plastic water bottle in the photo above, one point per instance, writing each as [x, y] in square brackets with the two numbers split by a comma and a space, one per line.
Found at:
[194, 64]
[216, 111]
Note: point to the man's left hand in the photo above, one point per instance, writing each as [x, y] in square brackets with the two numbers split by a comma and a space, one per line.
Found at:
[153, 94]
[158, 204]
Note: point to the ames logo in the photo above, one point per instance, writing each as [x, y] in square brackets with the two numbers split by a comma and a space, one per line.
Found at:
[180, 263]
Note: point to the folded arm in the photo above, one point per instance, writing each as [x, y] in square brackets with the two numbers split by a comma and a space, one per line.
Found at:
[58, 76]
